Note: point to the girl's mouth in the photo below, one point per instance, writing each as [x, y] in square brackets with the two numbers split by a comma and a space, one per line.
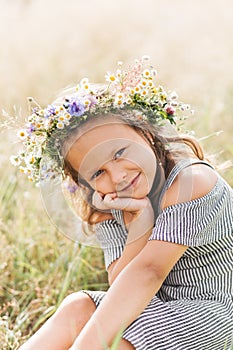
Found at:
[131, 184]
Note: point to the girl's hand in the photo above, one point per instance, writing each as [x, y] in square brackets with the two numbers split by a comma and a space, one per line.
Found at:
[138, 213]
[111, 201]
[98, 201]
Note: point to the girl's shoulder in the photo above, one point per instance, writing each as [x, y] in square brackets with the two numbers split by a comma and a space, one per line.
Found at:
[192, 182]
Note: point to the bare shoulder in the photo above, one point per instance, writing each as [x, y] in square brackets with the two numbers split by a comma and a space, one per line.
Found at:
[191, 183]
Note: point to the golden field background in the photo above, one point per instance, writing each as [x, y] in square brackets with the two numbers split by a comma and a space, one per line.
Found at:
[46, 45]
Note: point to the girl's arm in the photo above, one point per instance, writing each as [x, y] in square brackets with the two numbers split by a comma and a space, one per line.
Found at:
[129, 294]
[139, 220]
[130, 248]
[130, 251]
[139, 226]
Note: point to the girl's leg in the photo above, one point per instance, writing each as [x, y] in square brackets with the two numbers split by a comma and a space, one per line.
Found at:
[60, 331]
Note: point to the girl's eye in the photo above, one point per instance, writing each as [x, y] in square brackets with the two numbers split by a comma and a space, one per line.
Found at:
[116, 156]
[97, 173]
[119, 153]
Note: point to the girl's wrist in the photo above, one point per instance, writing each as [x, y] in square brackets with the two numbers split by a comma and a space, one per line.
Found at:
[141, 223]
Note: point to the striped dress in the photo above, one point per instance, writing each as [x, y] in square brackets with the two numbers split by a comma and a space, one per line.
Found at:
[193, 310]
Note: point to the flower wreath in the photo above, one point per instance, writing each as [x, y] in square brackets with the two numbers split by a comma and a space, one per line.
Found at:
[132, 88]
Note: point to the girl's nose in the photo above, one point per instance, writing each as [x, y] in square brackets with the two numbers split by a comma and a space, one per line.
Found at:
[118, 175]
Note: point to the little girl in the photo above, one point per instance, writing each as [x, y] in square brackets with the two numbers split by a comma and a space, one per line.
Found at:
[161, 214]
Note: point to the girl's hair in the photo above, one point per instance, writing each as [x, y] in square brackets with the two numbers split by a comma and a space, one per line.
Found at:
[168, 150]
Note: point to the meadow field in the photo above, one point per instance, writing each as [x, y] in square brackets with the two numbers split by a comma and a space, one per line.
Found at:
[47, 45]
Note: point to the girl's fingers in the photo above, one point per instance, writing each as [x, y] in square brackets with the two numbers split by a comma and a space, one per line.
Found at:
[128, 204]
[98, 200]
[111, 201]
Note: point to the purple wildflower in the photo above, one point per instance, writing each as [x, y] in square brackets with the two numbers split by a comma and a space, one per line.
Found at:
[50, 110]
[71, 186]
[30, 128]
[76, 108]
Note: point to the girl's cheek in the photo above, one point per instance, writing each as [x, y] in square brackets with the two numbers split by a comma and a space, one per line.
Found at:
[101, 185]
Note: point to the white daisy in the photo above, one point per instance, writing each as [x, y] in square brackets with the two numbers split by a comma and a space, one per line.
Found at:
[146, 73]
[60, 125]
[15, 160]
[22, 134]
[84, 81]
[110, 77]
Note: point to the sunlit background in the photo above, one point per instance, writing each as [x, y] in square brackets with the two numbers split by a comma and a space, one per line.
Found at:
[46, 45]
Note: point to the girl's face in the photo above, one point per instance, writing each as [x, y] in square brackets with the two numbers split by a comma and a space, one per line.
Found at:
[114, 158]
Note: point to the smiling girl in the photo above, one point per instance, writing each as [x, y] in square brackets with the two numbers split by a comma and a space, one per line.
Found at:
[161, 214]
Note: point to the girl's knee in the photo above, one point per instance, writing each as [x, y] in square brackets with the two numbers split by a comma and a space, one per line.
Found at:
[77, 306]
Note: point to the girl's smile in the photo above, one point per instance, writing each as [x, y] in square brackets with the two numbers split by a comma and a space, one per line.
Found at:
[114, 158]
[132, 184]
